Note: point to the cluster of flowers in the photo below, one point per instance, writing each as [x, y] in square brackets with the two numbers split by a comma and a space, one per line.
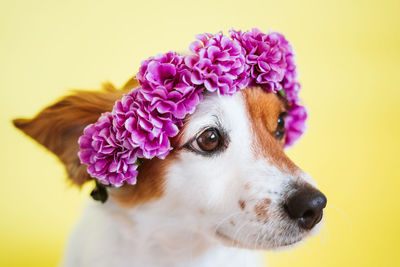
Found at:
[172, 85]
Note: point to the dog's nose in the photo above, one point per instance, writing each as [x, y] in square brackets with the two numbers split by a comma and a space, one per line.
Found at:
[306, 207]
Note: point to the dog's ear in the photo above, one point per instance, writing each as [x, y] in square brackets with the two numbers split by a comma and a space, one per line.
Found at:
[58, 126]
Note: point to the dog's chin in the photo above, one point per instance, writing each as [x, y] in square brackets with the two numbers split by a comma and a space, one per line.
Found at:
[268, 244]
[314, 231]
[253, 244]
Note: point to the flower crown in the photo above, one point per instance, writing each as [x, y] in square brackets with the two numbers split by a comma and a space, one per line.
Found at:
[172, 85]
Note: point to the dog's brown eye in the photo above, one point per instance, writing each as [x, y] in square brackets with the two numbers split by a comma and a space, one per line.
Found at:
[209, 140]
[280, 129]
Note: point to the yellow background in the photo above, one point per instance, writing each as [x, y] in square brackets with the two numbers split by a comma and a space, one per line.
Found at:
[348, 58]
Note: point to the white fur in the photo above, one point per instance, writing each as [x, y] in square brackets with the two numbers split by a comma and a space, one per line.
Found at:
[199, 220]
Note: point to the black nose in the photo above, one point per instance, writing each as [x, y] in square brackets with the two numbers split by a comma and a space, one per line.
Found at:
[306, 207]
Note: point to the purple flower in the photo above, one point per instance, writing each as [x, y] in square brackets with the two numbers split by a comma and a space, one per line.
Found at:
[295, 124]
[143, 129]
[166, 85]
[218, 64]
[265, 55]
[107, 158]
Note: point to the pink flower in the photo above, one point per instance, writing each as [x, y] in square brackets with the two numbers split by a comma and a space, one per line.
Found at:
[143, 129]
[166, 85]
[295, 124]
[107, 158]
[218, 64]
[265, 56]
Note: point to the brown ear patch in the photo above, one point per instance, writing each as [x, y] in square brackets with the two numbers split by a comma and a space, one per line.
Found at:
[58, 126]
[263, 110]
[150, 182]
[151, 176]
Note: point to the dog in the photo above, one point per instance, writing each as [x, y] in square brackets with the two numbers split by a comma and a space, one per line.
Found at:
[226, 190]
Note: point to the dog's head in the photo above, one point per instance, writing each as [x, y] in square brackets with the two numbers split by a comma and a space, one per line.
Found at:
[227, 171]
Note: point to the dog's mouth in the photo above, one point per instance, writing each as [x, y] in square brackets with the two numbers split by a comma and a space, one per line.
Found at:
[231, 242]
[259, 243]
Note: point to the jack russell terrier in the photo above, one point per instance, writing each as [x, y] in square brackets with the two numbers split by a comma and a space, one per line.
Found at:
[221, 189]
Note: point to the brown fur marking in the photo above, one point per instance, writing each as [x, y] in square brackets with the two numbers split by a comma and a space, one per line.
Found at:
[242, 204]
[261, 209]
[150, 183]
[247, 186]
[264, 109]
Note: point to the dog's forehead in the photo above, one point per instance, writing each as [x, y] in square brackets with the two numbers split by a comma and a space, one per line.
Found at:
[235, 111]
[227, 112]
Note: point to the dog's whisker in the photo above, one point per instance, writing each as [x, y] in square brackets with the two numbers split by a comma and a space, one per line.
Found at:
[225, 219]
[323, 236]
[236, 234]
[343, 214]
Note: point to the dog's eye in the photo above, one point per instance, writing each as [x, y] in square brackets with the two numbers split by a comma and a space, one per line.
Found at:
[280, 129]
[209, 140]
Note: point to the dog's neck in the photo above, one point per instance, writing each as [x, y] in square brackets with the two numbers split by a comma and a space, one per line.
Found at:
[152, 234]
[158, 228]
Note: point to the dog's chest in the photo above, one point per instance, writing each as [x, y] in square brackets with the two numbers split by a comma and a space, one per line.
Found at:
[102, 240]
